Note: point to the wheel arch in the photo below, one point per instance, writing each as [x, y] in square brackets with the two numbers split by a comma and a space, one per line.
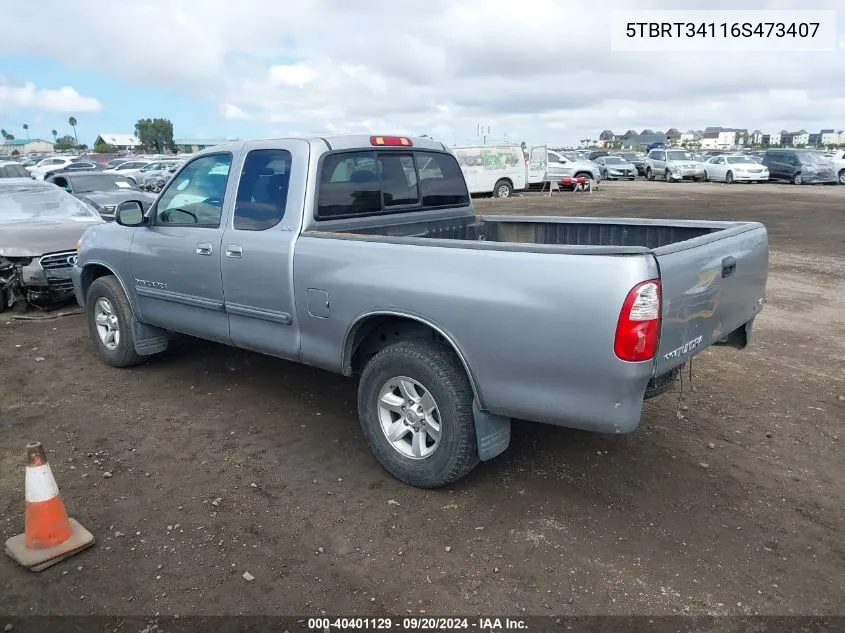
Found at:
[372, 331]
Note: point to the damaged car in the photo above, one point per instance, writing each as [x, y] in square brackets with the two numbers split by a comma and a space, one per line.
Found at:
[103, 191]
[40, 225]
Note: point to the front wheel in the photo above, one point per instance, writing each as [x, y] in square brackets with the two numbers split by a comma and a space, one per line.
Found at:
[415, 408]
[729, 177]
[797, 179]
[842, 176]
[649, 174]
[668, 176]
[503, 189]
[111, 323]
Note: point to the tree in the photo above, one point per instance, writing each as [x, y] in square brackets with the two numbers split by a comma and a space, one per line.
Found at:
[55, 136]
[72, 122]
[63, 143]
[83, 146]
[26, 129]
[4, 134]
[105, 148]
[155, 134]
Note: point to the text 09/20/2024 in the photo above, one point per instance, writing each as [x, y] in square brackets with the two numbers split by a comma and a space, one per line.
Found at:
[765, 31]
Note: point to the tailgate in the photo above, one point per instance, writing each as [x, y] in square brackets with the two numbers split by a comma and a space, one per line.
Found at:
[711, 286]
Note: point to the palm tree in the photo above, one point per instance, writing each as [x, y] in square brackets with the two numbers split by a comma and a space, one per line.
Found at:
[26, 129]
[55, 136]
[72, 122]
[4, 134]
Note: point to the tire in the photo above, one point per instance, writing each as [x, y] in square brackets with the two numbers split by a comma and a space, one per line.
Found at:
[667, 176]
[649, 174]
[503, 189]
[797, 179]
[729, 178]
[706, 177]
[105, 298]
[434, 367]
[841, 176]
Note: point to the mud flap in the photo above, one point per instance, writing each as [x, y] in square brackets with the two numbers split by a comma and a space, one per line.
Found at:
[149, 339]
[493, 433]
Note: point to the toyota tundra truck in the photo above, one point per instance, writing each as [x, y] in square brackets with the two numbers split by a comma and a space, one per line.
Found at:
[363, 255]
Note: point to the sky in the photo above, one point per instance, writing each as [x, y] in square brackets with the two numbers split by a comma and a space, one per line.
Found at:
[540, 71]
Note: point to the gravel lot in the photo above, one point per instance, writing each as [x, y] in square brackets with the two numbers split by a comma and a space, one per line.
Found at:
[729, 499]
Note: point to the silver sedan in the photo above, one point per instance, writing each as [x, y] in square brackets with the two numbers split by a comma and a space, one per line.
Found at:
[616, 168]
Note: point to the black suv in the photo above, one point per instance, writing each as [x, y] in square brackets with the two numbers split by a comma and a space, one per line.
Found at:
[799, 166]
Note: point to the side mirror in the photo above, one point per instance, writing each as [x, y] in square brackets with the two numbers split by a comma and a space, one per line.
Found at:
[130, 213]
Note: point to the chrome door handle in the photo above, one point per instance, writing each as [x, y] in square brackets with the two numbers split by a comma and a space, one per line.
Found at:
[204, 249]
[234, 251]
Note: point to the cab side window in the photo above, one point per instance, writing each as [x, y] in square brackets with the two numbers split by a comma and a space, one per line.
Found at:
[195, 196]
[262, 189]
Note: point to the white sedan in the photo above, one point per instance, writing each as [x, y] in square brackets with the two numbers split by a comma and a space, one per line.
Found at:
[731, 169]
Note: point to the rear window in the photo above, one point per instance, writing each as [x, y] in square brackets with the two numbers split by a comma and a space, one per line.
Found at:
[355, 184]
[13, 171]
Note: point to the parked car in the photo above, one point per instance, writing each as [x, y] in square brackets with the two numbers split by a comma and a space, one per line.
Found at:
[103, 191]
[616, 167]
[130, 168]
[286, 248]
[78, 165]
[114, 162]
[596, 154]
[838, 158]
[672, 165]
[40, 226]
[13, 169]
[155, 169]
[799, 166]
[637, 160]
[737, 168]
[545, 165]
[45, 165]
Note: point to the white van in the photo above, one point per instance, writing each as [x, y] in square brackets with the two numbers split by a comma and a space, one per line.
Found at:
[545, 165]
[496, 169]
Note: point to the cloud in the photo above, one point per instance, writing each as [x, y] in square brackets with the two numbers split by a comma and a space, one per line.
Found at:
[538, 70]
[64, 99]
[230, 111]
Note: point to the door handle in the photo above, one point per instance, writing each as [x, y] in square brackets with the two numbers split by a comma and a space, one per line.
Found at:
[234, 251]
[204, 248]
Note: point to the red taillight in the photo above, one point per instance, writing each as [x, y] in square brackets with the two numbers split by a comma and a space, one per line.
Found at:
[639, 323]
[391, 141]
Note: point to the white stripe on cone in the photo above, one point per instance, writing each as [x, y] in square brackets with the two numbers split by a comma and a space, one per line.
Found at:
[40, 484]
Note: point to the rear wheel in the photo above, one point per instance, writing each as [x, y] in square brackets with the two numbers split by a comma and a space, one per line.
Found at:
[503, 189]
[111, 323]
[706, 177]
[842, 176]
[729, 177]
[797, 179]
[415, 408]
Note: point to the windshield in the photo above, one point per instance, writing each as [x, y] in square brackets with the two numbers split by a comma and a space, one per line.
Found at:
[26, 202]
[679, 155]
[736, 160]
[104, 182]
[613, 160]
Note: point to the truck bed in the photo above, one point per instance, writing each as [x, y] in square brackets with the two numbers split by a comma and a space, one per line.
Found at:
[604, 235]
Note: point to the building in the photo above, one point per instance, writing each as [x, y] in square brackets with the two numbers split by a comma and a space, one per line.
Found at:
[800, 138]
[756, 138]
[191, 145]
[775, 140]
[814, 140]
[28, 146]
[831, 137]
[121, 142]
[691, 136]
[642, 141]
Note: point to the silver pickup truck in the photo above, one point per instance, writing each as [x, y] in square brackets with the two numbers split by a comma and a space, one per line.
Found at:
[364, 256]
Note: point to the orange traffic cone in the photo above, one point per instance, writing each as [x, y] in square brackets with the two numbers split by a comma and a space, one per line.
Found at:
[49, 535]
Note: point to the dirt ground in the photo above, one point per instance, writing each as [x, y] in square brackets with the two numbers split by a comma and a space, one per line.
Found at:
[729, 499]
